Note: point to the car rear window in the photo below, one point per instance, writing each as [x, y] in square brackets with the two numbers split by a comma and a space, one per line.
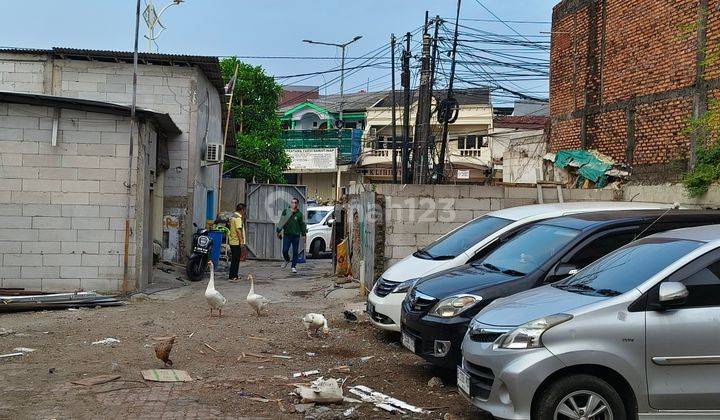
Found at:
[460, 240]
[628, 267]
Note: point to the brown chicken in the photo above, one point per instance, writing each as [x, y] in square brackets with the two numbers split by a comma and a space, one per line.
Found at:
[162, 351]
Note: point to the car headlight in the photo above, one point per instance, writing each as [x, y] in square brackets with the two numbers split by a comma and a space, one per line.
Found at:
[454, 305]
[405, 286]
[527, 336]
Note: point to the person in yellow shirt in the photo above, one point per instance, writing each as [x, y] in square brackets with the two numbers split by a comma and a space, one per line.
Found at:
[236, 240]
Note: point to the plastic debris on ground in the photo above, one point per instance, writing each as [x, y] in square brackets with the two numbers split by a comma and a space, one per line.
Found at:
[96, 380]
[321, 391]
[4, 356]
[15, 300]
[435, 382]
[23, 349]
[306, 373]
[107, 341]
[383, 401]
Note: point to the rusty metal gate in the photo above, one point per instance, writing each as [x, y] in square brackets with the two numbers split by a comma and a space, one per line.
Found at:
[264, 204]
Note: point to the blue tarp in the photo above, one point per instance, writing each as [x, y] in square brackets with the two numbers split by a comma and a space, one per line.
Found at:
[589, 166]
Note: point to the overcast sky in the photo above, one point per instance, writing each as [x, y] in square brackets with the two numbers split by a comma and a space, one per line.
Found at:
[262, 28]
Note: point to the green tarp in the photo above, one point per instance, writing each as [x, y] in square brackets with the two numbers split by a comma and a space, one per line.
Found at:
[589, 166]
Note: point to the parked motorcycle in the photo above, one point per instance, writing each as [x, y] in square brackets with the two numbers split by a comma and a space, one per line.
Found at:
[201, 246]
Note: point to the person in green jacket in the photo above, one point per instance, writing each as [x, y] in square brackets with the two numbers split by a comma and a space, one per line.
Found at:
[292, 225]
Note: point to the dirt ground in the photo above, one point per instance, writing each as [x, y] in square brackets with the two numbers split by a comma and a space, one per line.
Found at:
[226, 384]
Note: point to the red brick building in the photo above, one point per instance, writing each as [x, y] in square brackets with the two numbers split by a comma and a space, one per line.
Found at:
[626, 77]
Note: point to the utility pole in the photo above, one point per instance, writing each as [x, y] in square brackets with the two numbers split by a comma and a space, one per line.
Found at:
[133, 126]
[422, 119]
[433, 60]
[394, 121]
[405, 81]
[450, 105]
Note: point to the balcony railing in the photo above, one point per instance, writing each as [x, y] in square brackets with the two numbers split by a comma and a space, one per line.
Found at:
[347, 141]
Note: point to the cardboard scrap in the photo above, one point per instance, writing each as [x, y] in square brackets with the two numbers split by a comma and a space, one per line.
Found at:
[166, 375]
[96, 380]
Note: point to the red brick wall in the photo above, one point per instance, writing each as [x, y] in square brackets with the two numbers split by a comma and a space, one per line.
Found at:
[604, 130]
[658, 131]
[646, 48]
[645, 52]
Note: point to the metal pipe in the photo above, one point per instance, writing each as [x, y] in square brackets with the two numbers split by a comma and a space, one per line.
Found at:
[133, 127]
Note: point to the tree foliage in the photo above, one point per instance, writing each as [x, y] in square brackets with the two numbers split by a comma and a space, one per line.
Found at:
[254, 115]
[706, 128]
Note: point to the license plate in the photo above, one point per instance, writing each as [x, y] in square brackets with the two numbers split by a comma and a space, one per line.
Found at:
[463, 381]
[408, 342]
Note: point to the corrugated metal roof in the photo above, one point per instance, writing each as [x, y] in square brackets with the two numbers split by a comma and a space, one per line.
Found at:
[471, 96]
[209, 65]
[162, 120]
[523, 122]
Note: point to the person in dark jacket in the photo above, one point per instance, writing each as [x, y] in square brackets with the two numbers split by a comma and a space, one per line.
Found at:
[292, 225]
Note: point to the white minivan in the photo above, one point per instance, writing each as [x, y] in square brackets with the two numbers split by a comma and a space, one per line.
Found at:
[462, 244]
[319, 225]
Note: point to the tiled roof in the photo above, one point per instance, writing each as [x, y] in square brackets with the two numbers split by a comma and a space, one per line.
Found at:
[524, 122]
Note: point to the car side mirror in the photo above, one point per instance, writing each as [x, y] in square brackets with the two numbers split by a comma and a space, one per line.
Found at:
[672, 294]
[330, 222]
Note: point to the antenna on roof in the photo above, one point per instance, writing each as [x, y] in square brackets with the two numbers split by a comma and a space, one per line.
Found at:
[152, 18]
[675, 206]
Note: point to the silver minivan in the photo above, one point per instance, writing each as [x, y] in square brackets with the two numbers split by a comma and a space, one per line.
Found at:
[635, 333]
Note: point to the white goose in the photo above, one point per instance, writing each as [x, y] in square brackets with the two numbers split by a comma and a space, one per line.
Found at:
[258, 302]
[314, 323]
[214, 298]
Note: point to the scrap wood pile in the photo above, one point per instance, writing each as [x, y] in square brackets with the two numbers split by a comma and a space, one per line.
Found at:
[18, 299]
[587, 169]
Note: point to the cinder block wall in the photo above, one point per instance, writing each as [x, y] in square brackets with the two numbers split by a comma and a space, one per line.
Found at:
[184, 93]
[416, 215]
[62, 208]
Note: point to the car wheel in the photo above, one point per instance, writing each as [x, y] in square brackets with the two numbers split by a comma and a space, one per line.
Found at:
[317, 247]
[584, 397]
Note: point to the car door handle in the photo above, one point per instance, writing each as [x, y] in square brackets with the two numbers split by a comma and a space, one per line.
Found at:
[685, 360]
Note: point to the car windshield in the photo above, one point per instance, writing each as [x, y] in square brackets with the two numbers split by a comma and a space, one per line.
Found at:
[316, 216]
[527, 251]
[460, 240]
[628, 267]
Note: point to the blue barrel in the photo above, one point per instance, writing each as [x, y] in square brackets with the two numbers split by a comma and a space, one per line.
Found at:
[216, 237]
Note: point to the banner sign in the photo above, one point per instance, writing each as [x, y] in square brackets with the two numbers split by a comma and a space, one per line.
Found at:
[312, 159]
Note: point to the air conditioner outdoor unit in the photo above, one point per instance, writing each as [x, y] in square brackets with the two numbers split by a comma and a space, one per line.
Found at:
[215, 153]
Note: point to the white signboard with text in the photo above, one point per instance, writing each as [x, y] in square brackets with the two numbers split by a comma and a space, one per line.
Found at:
[312, 159]
[463, 174]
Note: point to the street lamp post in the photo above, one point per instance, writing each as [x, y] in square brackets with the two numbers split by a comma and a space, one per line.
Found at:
[342, 95]
[342, 68]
